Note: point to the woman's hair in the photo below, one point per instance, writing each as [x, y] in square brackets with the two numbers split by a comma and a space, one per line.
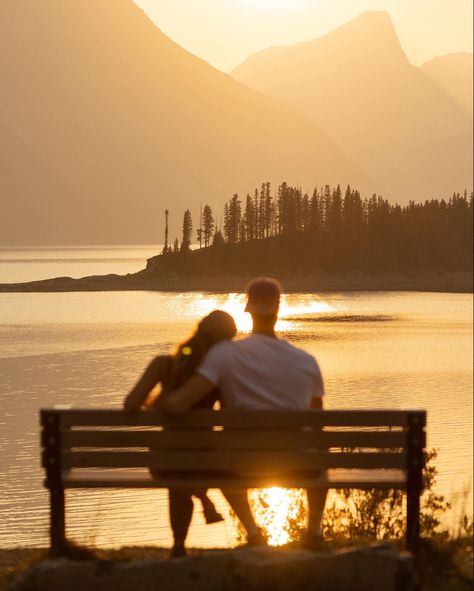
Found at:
[213, 328]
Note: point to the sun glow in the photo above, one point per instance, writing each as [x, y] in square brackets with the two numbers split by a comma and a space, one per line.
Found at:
[273, 3]
[280, 512]
[234, 304]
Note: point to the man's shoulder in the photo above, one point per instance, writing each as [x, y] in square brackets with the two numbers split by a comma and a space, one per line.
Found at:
[217, 358]
[280, 347]
[299, 353]
[294, 349]
[221, 349]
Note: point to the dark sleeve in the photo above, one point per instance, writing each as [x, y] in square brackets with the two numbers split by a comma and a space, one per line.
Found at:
[154, 374]
[210, 399]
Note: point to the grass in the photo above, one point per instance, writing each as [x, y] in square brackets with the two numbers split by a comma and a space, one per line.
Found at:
[446, 564]
[13, 562]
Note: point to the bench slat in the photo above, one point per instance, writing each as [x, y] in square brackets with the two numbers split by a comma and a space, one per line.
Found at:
[240, 461]
[193, 440]
[363, 479]
[234, 419]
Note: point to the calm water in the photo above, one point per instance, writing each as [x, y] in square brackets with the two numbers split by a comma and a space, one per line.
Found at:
[30, 264]
[377, 350]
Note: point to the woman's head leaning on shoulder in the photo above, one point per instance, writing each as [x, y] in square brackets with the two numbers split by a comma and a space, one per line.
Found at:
[217, 326]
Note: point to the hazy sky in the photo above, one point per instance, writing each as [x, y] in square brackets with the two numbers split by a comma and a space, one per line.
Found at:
[225, 32]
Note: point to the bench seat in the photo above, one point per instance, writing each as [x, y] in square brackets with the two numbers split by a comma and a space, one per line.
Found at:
[141, 478]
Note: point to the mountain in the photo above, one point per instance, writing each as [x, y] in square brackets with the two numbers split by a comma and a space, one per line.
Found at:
[425, 166]
[453, 73]
[357, 85]
[105, 122]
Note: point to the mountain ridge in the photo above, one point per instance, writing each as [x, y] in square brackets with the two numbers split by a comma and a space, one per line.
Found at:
[370, 18]
[362, 90]
[453, 73]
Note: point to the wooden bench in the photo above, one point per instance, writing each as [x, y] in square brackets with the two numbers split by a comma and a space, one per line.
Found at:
[360, 449]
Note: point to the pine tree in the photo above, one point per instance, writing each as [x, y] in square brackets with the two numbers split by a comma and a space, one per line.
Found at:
[218, 239]
[187, 231]
[199, 232]
[289, 207]
[166, 248]
[275, 215]
[315, 212]
[268, 210]
[227, 222]
[199, 237]
[176, 245]
[208, 224]
[262, 221]
[335, 210]
[305, 213]
[232, 220]
[249, 219]
[326, 207]
[280, 207]
[298, 209]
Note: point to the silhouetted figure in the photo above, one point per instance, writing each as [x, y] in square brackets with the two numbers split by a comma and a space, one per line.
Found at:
[172, 371]
[260, 372]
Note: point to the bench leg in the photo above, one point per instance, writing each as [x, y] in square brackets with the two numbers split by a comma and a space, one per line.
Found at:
[57, 521]
[415, 462]
[413, 521]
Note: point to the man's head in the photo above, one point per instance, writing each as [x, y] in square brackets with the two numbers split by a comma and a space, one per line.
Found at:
[263, 299]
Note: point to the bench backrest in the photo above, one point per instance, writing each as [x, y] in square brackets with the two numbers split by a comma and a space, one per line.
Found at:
[265, 445]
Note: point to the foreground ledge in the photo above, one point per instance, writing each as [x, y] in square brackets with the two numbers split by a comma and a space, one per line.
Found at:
[368, 568]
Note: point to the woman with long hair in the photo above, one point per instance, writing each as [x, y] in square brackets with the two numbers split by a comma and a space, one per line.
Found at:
[171, 371]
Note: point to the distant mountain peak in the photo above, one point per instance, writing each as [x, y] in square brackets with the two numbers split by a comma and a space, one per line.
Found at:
[371, 21]
[370, 37]
[357, 84]
[377, 17]
[373, 28]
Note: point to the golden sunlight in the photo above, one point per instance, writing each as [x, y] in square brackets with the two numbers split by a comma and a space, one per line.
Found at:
[273, 3]
[280, 512]
[235, 306]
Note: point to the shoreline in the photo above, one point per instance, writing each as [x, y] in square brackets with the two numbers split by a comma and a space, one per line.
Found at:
[429, 281]
[33, 569]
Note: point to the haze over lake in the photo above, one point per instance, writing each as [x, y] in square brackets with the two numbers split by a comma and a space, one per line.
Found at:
[376, 350]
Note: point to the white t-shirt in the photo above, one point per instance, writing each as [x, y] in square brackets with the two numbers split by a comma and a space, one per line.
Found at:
[262, 372]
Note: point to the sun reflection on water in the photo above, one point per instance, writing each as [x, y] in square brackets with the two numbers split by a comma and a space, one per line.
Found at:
[234, 304]
[280, 512]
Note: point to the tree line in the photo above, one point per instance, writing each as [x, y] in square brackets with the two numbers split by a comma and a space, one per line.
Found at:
[330, 229]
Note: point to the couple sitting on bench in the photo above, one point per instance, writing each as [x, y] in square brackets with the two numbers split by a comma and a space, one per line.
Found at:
[260, 372]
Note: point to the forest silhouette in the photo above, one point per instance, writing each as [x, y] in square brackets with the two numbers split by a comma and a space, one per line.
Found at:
[289, 232]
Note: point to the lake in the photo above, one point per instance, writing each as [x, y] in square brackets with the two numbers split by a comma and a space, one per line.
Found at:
[376, 350]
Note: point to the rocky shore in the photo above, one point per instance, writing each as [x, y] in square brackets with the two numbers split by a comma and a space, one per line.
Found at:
[365, 568]
[150, 280]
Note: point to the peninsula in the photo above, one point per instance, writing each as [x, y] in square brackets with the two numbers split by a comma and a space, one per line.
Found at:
[329, 241]
[454, 281]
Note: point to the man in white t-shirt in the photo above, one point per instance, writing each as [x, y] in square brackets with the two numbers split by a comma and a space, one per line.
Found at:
[260, 372]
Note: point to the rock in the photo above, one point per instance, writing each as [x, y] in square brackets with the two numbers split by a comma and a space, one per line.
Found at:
[369, 568]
